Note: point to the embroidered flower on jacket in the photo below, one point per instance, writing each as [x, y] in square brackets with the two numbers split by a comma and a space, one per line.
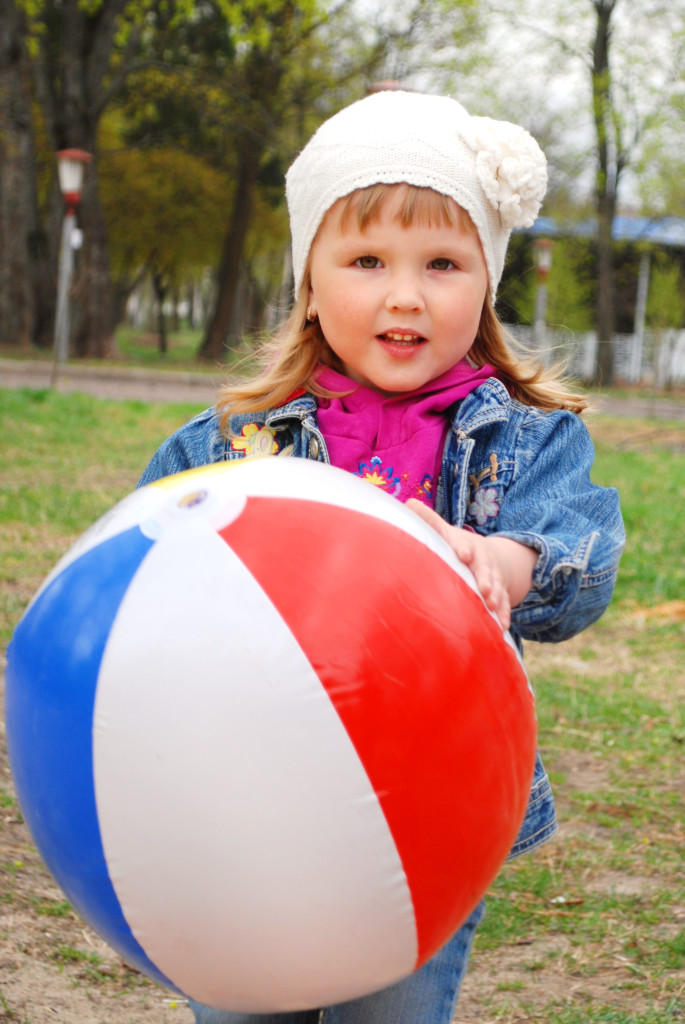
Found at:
[484, 505]
[373, 474]
[255, 440]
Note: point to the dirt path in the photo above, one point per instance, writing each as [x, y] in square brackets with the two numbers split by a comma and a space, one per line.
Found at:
[112, 382]
[172, 386]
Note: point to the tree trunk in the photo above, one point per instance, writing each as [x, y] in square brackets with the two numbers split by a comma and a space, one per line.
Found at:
[161, 290]
[44, 242]
[74, 82]
[175, 315]
[95, 319]
[260, 89]
[213, 346]
[16, 199]
[605, 296]
[606, 185]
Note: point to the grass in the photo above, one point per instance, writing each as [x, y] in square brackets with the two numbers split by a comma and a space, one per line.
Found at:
[652, 491]
[603, 907]
[142, 348]
[591, 927]
[138, 348]
[65, 954]
[65, 459]
[50, 908]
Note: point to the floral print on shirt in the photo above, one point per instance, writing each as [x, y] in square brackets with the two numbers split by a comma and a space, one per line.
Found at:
[484, 505]
[401, 487]
[424, 490]
[373, 473]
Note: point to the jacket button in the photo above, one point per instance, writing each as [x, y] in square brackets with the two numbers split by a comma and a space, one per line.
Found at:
[314, 448]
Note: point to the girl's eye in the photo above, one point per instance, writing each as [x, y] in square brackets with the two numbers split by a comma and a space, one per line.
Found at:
[442, 264]
[368, 262]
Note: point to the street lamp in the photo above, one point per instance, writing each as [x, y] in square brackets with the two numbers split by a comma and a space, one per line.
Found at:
[70, 167]
[542, 249]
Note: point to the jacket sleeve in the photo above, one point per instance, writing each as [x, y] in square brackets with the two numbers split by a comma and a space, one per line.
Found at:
[198, 443]
[574, 525]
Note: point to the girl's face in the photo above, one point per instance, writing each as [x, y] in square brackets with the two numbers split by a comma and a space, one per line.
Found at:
[399, 305]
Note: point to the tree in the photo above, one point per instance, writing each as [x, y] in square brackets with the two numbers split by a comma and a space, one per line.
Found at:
[662, 166]
[79, 68]
[264, 73]
[27, 274]
[220, 101]
[268, 84]
[612, 159]
[608, 67]
[161, 208]
[260, 80]
[81, 51]
[314, 65]
[260, 74]
[16, 209]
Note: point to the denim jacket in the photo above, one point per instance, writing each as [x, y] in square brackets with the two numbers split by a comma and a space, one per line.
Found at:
[506, 468]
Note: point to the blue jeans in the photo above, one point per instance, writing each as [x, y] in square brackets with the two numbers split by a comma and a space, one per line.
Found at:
[427, 997]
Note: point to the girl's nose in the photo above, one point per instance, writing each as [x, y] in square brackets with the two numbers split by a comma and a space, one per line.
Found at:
[405, 293]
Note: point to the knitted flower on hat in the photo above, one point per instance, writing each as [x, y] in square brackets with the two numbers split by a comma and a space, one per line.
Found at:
[510, 167]
[493, 169]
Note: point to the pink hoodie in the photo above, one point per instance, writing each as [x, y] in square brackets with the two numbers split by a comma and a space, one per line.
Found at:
[396, 441]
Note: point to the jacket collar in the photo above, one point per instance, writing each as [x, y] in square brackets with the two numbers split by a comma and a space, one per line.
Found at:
[489, 403]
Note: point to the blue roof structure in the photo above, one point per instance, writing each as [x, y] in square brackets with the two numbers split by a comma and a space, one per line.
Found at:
[657, 230]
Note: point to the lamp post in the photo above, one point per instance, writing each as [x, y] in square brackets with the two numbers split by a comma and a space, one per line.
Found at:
[70, 167]
[542, 249]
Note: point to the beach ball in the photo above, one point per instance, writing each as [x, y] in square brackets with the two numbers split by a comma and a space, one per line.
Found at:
[266, 735]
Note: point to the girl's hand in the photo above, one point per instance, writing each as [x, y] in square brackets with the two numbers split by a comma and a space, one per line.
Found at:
[503, 568]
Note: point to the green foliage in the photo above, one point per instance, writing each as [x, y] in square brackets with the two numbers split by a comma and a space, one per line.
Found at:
[209, 94]
[165, 211]
[143, 349]
[516, 293]
[666, 296]
[572, 285]
[254, 23]
[661, 166]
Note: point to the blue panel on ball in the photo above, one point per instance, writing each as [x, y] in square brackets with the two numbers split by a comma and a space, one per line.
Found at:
[51, 681]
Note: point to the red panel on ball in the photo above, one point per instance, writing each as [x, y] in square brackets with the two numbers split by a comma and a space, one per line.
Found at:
[434, 700]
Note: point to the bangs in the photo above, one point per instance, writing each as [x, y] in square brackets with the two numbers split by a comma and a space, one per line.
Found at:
[414, 205]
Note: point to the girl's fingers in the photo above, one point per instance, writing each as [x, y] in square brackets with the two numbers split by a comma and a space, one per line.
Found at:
[429, 516]
[457, 539]
[466, 547]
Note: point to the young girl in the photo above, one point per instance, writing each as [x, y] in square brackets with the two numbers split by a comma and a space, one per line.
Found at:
[393, 365]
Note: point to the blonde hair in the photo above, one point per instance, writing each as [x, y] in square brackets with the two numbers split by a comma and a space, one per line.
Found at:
[287, 362]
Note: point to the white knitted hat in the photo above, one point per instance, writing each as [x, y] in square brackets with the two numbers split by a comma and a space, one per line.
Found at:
[493, 169]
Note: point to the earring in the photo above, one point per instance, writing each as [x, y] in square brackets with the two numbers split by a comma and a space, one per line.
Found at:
[311, 314]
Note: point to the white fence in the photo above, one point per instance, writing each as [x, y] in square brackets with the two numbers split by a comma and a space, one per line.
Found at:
[657, 358]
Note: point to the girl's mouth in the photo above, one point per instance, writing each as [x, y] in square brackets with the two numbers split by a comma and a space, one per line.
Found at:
[401, 338]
